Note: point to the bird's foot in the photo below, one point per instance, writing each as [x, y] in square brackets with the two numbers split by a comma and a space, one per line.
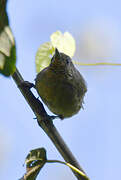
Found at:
[56, 117]
[53, 117]
[26, 84]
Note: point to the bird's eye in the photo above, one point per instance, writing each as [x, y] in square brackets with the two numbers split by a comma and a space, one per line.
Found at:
[67, 61]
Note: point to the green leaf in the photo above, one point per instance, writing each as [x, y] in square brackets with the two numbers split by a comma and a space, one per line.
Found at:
[7, 43]
[65, 43]
[35, 160]
[43, 56]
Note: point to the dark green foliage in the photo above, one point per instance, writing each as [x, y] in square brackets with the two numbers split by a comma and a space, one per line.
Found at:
[7, 44]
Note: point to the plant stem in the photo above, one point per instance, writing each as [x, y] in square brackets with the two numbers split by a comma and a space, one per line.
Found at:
[46, 124]
[96, 64]
[69, 165]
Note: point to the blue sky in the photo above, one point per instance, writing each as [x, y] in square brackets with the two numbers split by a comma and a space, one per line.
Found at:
[94, 134]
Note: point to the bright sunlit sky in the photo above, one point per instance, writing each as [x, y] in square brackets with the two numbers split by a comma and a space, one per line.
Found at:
[94, 134]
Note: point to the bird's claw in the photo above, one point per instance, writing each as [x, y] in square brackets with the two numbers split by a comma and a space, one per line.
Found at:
[26, 84]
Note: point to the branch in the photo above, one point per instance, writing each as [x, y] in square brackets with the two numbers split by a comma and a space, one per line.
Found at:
[44, 121]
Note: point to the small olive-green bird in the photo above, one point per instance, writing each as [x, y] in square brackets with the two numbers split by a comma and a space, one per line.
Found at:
[61, 86]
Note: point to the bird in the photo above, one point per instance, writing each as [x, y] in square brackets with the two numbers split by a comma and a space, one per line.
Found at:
[61, 86]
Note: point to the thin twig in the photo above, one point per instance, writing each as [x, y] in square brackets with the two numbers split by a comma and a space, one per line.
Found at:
[46, 124]
[69, 165]
[96, 64]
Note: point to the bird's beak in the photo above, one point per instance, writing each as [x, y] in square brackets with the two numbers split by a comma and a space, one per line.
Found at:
[57, 54]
